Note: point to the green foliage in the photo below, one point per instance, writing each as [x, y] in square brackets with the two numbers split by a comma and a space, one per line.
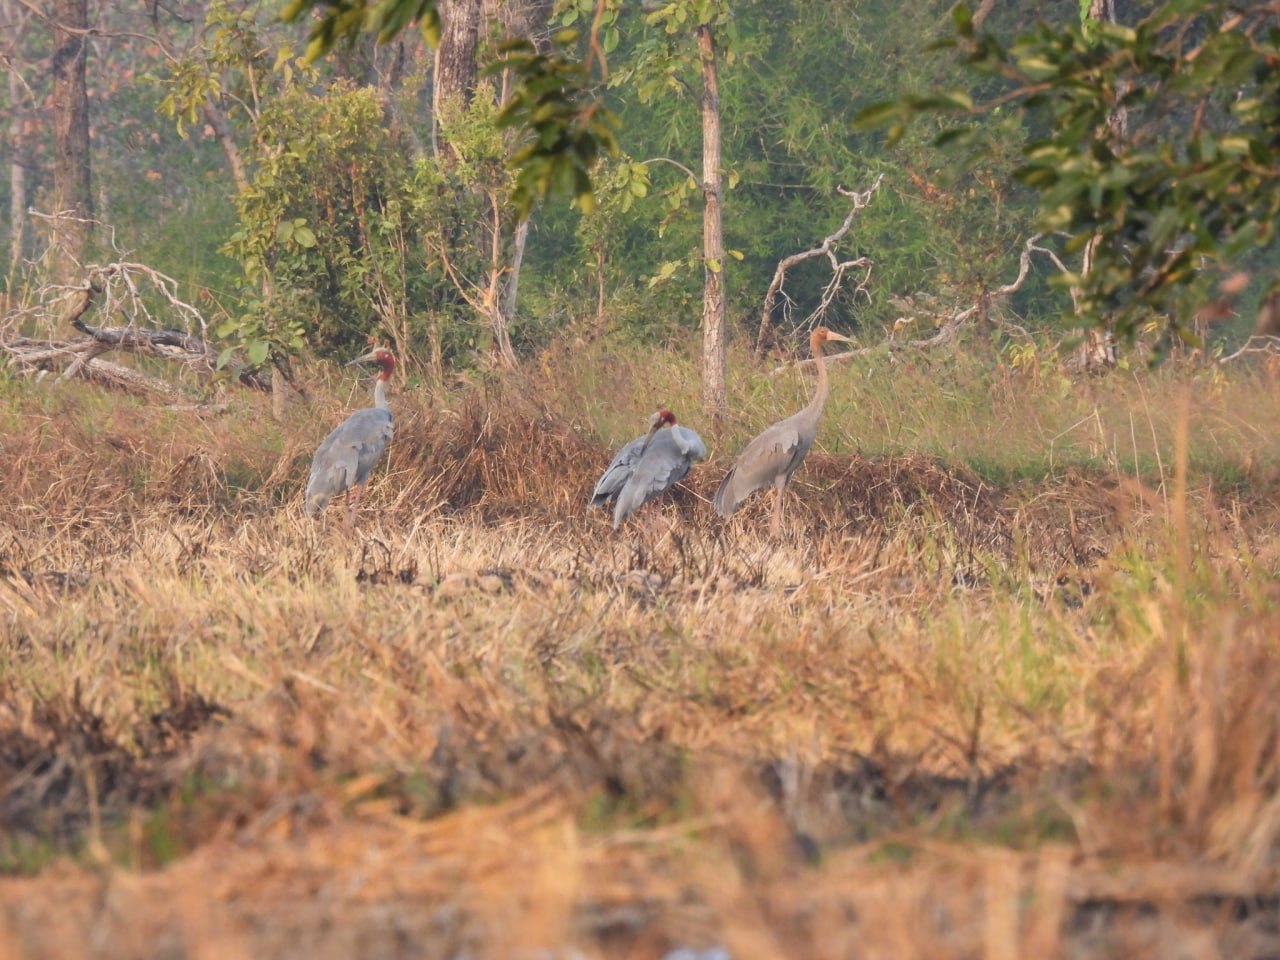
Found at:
[231, 65]
[347, 19]
[326, 225]
[565, 129]
[1190, 182]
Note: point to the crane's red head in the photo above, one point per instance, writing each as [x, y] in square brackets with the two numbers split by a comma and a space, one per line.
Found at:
[383, 357]
[664, 418]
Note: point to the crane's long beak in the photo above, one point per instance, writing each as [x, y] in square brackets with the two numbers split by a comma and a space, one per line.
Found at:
[657, 425]
[367, 358]
[832, 335]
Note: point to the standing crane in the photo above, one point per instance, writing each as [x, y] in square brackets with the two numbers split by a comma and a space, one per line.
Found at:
[347, 456]
[648, 466]
[773, 456]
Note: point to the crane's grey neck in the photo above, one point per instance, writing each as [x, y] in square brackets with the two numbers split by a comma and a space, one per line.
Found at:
[380, 392]
[814, 410]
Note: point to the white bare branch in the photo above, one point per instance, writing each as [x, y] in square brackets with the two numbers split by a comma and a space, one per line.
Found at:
[128, 291]
[1264, 344]
[825, 249]
[949, 330]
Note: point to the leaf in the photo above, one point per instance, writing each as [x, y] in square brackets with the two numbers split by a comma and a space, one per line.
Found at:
[879, 114]
[258, 352]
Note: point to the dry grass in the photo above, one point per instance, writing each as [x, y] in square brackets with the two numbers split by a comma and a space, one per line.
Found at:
[946, 717]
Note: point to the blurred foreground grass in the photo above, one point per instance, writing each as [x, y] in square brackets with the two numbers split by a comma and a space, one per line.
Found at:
[1007, 687]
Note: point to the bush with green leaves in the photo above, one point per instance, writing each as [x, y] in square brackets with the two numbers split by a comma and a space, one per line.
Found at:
[1186, 181]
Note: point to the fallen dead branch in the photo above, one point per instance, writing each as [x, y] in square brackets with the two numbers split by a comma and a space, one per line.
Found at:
[116, 290]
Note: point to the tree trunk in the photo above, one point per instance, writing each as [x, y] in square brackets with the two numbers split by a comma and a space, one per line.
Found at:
[714, 347]
[18, 160]
[455, 67]
[217, 120]
[1097, 352]
[279, 393]
[510, 294]
[72, 194]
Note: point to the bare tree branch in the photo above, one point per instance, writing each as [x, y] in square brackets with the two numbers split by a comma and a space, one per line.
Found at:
[1268, 345]
[949, 330]
[116, 289]
[825, 249]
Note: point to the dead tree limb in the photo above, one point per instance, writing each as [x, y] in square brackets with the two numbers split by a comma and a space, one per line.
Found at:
[950, 328]
[1267, 345]
[825, 249]
[175, 345]
[116, 291]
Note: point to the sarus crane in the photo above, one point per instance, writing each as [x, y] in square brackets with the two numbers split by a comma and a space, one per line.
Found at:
[772, 457]
[648, 466]
[347, 456]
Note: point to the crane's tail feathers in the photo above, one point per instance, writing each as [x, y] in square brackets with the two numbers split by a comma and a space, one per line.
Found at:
[623, 509]
[726, 502]
[316, 504]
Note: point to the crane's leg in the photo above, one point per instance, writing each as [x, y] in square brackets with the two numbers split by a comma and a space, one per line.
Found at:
[353, 501]
[780, 491]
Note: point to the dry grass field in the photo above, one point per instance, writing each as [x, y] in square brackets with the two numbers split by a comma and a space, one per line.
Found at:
[1007, 687]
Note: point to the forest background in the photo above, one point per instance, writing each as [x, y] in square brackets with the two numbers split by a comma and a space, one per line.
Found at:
[310, 206]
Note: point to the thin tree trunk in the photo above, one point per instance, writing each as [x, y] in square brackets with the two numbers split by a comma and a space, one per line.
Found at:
[513, 276]
[1097, 350]
[18, 159]
[714, 346]
[217, 119]
[600, 289]
[455, 68]
[72, 189]
[279, 393]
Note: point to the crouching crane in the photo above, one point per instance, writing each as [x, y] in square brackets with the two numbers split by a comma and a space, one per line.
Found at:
[772, 457]
[347, 456]
[648, 466]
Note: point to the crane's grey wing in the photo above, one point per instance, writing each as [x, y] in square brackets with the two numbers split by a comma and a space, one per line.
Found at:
[774, 453]
[617, 473]
[663, 465]
[347, 456]
[371, 432]
[333, 468]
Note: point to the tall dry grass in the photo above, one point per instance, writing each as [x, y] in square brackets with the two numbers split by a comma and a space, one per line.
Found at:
[945, 717]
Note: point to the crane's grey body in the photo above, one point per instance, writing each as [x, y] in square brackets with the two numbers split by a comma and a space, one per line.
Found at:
[347, 456]
[647, 467]
[618, 472]
[772, 457]
[352, 449]
[768, 460]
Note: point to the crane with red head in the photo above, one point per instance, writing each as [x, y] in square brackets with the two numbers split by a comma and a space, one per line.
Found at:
[343, 462]
[648, 466]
